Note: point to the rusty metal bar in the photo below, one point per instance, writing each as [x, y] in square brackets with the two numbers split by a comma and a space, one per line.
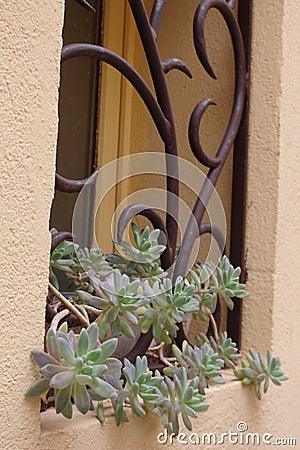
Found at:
[60, 236]
[163, 98]
[67, 185]
[156, 15]
[239, 181]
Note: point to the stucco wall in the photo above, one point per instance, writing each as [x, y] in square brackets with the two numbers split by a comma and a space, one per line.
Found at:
[30, 36]
[271, 316]
[29, 55]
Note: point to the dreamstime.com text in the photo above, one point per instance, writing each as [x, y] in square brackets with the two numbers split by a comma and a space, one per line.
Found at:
[241, 436]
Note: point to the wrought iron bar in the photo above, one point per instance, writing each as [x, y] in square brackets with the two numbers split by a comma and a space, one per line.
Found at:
[175, 63]
[210, 228]
[63, 184]
[156, 15]
[60, 236]
[163, 98]
[120, 64]
[238, 202]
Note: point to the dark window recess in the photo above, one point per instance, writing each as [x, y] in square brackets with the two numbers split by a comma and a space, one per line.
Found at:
[78, 107]
[238, 203]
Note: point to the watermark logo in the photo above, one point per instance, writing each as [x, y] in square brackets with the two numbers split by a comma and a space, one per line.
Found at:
[180, 208]
[241, 436]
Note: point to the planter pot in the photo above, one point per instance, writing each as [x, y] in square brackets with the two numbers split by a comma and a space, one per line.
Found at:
[125, 344]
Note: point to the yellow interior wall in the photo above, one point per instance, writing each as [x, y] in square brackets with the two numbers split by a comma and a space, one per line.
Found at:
[110, 116]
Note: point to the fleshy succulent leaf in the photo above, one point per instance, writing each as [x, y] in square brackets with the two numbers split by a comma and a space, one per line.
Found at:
[38, 388]
[66, 351]
[82, 343]
[62, 399]
[42, 358]
[255, 370]
[81, 398]
[62, 380]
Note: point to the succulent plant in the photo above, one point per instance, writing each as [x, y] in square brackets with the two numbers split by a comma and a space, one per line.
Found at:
[121, 302]
[147, 249]
[77, 264]
[62, 258]
[255, 370]
[165, 398]
[182, 397]
[229, 285]
[205, 285]
[92, 262]
[150, 271]
[129, 291]
[209, 282]
[140, 390]
[75, 367]
[168, 306]
[201, 363]
[223, 346]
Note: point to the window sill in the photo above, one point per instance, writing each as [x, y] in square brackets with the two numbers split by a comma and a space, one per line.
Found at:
[229, 404]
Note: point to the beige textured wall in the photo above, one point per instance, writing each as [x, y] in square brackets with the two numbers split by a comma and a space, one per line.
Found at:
[286, 334]
[28, 134]
[271, 315]
[263, 167]
[30, 36]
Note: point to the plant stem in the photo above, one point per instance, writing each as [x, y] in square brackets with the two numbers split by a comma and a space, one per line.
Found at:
[92, 309]
[84, 313]
[69, 305]
[206, 291]
[214, 326]
[162, 357]
[157, 347]
[57, 318]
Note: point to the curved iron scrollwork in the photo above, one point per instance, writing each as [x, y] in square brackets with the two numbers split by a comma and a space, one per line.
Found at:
[160, 109]
[216, 163]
